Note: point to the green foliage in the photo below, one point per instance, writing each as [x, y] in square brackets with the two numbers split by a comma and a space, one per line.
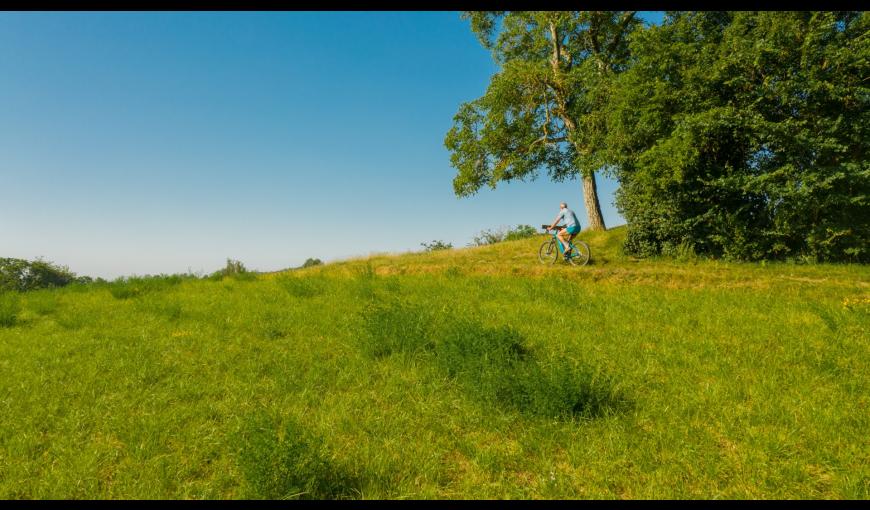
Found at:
[10, 307]
[498, 235]
[520, 232]
[544, 108]
[489, 236]
[744, 134]
[234, 269]
[436, 245]
[23, 275]
[311, 262]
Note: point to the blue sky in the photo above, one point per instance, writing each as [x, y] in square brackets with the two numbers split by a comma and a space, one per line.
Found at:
[145, 143]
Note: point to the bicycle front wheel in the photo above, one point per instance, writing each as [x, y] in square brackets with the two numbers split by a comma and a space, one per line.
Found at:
[579, 256]
[549, 252]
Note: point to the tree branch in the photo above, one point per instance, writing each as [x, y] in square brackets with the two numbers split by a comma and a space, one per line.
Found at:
[593, 34]
[546, 140]
[626, 19]
[557, 47]
[594, 25]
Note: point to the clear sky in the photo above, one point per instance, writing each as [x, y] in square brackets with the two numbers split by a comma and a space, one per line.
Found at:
[145, 143]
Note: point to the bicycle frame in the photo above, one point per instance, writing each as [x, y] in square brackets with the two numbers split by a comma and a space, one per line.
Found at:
[559, 243]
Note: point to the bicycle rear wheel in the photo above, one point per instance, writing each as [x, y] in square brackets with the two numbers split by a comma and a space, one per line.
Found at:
[579, 256]
[548, 252]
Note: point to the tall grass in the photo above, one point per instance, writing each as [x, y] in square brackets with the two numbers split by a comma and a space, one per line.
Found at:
[9, 309]
[472, 373]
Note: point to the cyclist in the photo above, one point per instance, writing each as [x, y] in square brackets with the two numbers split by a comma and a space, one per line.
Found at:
[572, 225]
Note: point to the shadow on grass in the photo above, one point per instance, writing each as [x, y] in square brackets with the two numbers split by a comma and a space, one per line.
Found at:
[10, 308]
[303, 286]
[287, 461]
[165, 307]
[494, 365]
[133, 286]
[43, 302]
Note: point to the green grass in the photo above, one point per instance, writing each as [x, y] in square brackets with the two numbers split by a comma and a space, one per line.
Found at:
[474, 373]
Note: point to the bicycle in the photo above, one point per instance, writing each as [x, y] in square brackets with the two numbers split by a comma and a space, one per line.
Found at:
[549, 252]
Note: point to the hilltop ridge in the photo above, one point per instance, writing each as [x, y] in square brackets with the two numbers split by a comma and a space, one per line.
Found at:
[608, 265]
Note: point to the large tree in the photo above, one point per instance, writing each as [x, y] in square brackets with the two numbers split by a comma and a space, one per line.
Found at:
[744, 135]
[545, 109]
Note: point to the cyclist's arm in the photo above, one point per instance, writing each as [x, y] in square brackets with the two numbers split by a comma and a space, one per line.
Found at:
[558, 217]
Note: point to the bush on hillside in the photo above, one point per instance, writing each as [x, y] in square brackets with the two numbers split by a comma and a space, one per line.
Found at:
[436, 245]
[521, 232]
[497, 235]
[235, 269]
[23, 275]
[311, 262]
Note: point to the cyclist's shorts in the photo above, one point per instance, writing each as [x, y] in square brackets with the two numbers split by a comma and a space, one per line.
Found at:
[573, 229]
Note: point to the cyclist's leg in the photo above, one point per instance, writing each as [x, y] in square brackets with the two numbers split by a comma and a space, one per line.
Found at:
[561, 235]
[571, 236]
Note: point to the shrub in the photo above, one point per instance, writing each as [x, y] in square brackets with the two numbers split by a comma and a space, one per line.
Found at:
[23, 275]
[436, 245]
[487, 237]
[311, 262]
[521, 232]
[497, 235]
[235, 269]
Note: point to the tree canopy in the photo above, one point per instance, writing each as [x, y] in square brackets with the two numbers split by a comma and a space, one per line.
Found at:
[744, 135]
[544, 108]
[735, 134]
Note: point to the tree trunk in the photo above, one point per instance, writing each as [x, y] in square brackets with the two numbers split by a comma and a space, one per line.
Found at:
[590, 200]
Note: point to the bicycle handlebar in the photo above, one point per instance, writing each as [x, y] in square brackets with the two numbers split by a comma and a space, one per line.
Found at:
[547, 227]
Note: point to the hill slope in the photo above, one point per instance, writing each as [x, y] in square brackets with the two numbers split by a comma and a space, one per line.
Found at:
[466, 373]
[608, 266]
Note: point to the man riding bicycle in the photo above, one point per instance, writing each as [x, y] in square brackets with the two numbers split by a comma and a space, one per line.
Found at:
[572, 226]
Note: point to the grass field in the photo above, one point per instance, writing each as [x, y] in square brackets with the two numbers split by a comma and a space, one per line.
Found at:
[471, 373]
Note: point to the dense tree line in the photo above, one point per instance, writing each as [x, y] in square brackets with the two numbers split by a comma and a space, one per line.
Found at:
[735, 134]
